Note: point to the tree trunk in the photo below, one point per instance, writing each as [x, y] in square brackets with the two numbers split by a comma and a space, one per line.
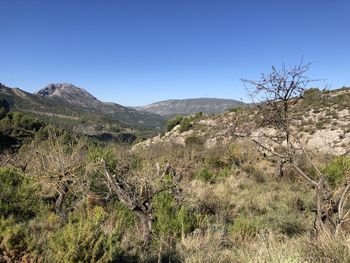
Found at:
[326, 208]
[146, 226]
[318, 225]
[59, 201]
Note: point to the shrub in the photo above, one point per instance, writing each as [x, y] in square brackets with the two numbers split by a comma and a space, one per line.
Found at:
[13, 240]
[18, 195]
[237, 109]
[254, 172]
[337, 170]
[198, 115]
[193, 141]
[205, 175]
[171, 219]
[86, 238]
[214, 160]
[225, 172]
[3, 113]
[244, 228]
[185, 125]
[311, 94]
[173, 122]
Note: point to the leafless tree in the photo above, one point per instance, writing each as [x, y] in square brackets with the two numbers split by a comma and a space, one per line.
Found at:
[58, 165]
[136, 189]
[274, 95]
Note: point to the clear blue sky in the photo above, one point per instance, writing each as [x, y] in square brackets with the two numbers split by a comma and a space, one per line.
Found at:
[137, 52]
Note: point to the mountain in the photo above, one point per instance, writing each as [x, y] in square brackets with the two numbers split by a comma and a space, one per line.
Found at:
[322, 124]
[69, 106]
[70, 94]
[209, 106]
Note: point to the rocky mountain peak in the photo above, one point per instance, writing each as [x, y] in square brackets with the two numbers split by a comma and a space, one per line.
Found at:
[58, 89]
[69, 93]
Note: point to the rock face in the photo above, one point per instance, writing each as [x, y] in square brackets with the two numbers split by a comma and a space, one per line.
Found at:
[70, 94]
[170, 108]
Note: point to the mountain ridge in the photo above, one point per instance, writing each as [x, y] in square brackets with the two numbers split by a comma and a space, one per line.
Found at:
[70, 93]
[68, 106]
[322, 124]
[171, 107]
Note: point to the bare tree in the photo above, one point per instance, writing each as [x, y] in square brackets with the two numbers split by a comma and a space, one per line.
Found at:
[58, 165]
[136, 189]
[274, 95]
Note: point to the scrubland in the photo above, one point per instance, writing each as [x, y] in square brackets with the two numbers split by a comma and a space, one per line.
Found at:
[66, 198]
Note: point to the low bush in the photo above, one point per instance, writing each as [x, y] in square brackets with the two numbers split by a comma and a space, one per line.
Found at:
[185, 124]
[86, 238]
[19, 195]
[173, 122]
[14, 241]
[337, 170]
[193, 141]
[205, 175]
[245, 228]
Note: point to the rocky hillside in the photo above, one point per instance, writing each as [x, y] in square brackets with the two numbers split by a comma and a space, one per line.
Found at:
[322, 124]
[170, 108]
[72, 107]
[70, 94]
[80, 99]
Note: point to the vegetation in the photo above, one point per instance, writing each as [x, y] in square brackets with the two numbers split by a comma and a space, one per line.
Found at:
[16, 127]
[67, 198]
[280, 89]
[171, 123]
[62, 208]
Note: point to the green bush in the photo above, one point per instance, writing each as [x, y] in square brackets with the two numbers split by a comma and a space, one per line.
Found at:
[173, 122]
[205, 175]
[198, 115]
[170, 219]
[311, 93]
[194, 141]
[185, 125]
[224, 172]
[337, 170]
[14, 239]
[3, 113]
[86, 238]
[237, 109]
[18, 195]
[98, 152]
[245, 228]
[213, 159]
[290, 225]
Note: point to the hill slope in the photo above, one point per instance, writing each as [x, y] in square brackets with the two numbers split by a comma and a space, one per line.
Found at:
[73, 107]
[322, 124]
[191, 106]
[70, 94]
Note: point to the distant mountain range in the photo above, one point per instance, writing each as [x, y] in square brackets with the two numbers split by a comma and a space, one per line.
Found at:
[168, 108]
[68, 106]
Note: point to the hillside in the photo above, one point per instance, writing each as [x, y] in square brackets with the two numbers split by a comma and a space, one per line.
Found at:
[322, 124]
[71, 107]
[202, 195]
[209, 106]
[70, 94]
